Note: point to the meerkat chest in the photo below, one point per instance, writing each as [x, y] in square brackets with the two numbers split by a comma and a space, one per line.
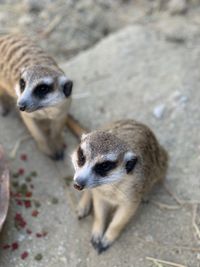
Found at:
[51, 113]
[114, 194]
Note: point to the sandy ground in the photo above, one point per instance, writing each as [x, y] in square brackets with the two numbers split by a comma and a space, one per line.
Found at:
[150, 72]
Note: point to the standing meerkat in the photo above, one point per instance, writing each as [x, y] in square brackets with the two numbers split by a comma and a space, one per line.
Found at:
[117, 165]
[33, 80]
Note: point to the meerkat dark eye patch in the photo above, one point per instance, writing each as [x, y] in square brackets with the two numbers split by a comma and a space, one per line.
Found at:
[130, 164]
[103, 168]
[67, 88]
[22, 85]
[81, 157]
[42, 90]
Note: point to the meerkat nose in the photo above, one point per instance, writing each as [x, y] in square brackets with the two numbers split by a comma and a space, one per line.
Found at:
[22, 107]
[78, 186]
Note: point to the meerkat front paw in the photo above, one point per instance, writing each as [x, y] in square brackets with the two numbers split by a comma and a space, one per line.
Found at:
[84, 205]
[100, 244]
[96, 241]
[83, 210]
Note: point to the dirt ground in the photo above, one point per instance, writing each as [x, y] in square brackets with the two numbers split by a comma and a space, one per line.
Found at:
[128, 59]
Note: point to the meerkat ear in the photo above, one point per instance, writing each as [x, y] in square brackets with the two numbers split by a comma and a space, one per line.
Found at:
[66, 85]
[130, 161]
[67, 88]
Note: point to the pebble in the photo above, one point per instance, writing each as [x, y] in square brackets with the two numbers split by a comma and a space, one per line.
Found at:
[149, 238]
[183, 99]
[177, 7]
[158, 111]
[25, 20]
[21, 238]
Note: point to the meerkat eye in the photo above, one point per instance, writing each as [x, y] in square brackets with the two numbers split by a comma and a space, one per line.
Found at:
[67, 88]
[42, 90]
[103, 168]
[130, 164]
[22, 85]
[81, 157]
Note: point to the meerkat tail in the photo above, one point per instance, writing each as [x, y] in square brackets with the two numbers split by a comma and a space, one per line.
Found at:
[75, 127]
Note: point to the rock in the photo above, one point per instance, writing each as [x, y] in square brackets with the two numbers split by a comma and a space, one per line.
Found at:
[177, 7]
[158, 111]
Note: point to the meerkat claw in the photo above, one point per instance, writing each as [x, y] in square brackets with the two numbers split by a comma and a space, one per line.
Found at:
[95, 241]
[83, 212]
[102, 246]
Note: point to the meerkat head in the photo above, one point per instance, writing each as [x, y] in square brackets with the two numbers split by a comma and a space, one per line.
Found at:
[101, 158]
[41, 87]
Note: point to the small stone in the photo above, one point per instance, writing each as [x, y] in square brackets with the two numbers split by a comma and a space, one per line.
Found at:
[38, 257]
[158, 111]
[177, 7]
[183, 99]
[25, 20]
[37, 204]
[54, 200]
[149, 238]
[24, 255]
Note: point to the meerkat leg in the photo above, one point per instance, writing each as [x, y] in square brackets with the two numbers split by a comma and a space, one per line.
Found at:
[37, 134]
[57, 140]
[5, 103]
[101, 209]
[120, 219]
[84, 205]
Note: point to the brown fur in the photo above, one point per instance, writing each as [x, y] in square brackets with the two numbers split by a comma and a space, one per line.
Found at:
[18, 53]
[125, 195]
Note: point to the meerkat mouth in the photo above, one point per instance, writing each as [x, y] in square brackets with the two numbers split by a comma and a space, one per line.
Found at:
[78, 187]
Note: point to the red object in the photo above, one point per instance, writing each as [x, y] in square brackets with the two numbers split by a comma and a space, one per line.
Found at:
[6, 246]
[29, 194]
[24, 157]
[19, 202]
[24, 255]
[39, 235]
[15, 246]
[35, 213]
[20, 220]
[27, 204]
[21, 171]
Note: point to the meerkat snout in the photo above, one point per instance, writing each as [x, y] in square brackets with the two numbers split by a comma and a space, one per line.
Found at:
[97, 165]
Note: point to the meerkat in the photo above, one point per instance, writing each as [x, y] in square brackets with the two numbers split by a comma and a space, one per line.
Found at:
[32, 80]
[117, 166]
